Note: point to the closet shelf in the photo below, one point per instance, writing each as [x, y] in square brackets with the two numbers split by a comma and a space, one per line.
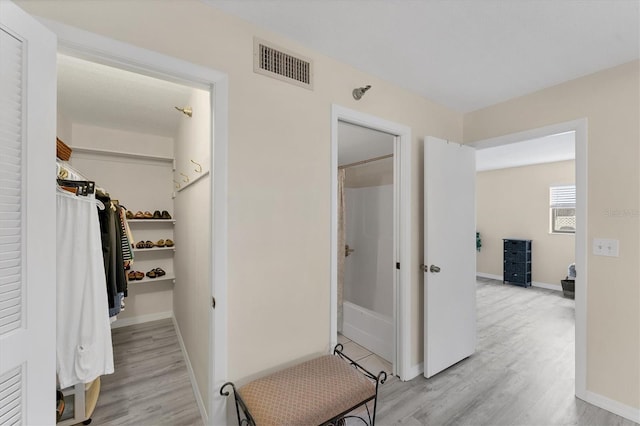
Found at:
[148, 280]
[172, 221]
[149, 250]
[85, 150]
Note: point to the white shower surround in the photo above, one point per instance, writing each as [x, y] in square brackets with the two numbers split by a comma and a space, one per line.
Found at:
[368, 288]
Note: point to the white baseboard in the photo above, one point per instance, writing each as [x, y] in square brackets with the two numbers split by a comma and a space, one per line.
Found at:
[141, 319]
[556, 287]
[490, 276]
[612, 406]
[414, 371]
[192, 376]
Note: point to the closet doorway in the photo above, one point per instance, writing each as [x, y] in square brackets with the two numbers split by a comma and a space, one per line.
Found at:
[148, 142]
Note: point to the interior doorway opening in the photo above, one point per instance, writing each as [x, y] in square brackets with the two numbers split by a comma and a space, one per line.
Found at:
[579, 127]
[395, 151]
[366, 321]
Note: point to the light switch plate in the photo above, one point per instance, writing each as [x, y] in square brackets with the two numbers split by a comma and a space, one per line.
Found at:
[606, 247]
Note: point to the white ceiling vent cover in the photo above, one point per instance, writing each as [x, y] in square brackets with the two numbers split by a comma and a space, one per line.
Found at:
[273, 61]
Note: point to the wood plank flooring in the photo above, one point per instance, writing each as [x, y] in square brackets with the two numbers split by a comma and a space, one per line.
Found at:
[522, 373]
[150, 385]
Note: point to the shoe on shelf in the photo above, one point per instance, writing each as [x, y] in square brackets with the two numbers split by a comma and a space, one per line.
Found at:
[129, 214]
[151, 274]
[165, 215]
[168, 243]
[148, 244]
[148, 215]
[159, 272]
[160, 243]
[157, 215]
[138, 215]
[139, 275]
[141, 245]
[132, 276]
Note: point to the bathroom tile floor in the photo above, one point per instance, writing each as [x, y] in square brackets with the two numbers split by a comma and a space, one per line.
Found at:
[370, 361]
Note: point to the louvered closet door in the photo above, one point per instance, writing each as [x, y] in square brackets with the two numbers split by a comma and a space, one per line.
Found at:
[27, 219]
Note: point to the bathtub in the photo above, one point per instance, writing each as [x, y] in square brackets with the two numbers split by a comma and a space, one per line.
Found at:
[369, 329]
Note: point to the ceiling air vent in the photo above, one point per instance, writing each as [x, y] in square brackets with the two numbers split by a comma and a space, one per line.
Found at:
[282, 64]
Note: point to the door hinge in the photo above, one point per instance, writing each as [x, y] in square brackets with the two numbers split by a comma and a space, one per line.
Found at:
[213, 302]
[397, 265]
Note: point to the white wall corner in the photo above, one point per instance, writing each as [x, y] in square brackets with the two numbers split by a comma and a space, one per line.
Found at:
[611, 405]
[192, 377]
[414, 371]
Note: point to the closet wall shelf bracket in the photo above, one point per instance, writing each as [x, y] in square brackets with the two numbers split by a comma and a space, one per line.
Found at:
[191, 182]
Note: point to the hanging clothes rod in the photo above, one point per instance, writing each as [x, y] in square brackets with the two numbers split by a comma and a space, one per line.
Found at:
[358, 163]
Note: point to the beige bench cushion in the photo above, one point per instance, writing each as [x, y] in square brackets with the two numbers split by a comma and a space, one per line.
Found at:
[307, 394]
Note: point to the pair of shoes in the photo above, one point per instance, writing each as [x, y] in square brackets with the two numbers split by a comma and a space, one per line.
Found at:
[157, 272]
[164, 215]
[144, 244]
[135, 275]
[141, 215]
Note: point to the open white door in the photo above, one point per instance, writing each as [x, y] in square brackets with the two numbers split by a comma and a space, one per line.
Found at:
[27, 219]
[449, 254]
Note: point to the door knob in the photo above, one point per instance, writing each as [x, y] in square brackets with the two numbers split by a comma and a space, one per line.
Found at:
[435, 269]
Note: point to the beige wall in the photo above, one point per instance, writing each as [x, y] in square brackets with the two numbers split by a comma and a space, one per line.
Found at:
[137, 185]
[514, 203]
[610, 102]
[192, 297]
[279, 181]
[279, 168]
[376, 173]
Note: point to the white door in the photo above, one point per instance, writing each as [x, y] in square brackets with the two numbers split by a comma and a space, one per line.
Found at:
[449, 254]
[27, 219]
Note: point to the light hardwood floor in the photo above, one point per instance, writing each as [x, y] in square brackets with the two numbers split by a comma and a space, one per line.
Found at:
[521, 374]
[150, 385]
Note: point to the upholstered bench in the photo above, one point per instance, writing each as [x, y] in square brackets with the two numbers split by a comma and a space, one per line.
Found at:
[322, 391]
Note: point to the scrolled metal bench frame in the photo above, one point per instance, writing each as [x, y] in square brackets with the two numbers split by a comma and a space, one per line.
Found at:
[244, 415]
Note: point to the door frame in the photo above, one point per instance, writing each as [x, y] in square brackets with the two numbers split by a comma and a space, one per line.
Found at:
[580, 127]
[96, 48]
[402, 229]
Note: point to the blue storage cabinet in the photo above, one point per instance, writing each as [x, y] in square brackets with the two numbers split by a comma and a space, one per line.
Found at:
[517, 262]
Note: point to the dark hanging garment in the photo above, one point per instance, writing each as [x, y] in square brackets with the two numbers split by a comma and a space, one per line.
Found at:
[106, 234]
[120, 275]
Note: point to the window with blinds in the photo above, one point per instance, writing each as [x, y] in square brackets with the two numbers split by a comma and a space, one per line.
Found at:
[562, 209]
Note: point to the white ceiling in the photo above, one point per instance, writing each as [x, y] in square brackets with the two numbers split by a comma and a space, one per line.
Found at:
[356, 143]
[462, 54]
[99, 95]
[549, 149]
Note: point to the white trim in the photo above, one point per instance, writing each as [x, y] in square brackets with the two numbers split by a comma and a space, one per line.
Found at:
[192, 376]
[555, 287]
[415, 371]
[124, 322]
[111, 52]
[581, 247]
[612, 406]
[489, 276]
[403, 288]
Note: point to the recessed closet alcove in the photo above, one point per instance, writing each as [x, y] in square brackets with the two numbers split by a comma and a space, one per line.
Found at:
[128, 135]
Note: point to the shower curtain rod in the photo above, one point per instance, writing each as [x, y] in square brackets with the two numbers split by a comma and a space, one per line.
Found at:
[358, 163]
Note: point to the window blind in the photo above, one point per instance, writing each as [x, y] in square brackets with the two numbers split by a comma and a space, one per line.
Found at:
[563, 196]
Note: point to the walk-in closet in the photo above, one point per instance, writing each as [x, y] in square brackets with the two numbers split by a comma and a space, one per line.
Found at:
[137, 149]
